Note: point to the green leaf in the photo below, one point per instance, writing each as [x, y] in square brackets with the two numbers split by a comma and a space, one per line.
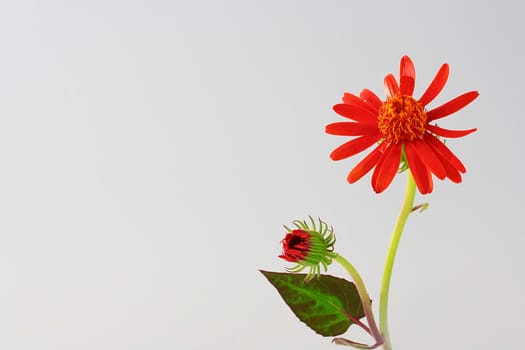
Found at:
[326, 305]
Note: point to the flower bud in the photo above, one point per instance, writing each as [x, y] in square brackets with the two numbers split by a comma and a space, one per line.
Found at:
[309, 247]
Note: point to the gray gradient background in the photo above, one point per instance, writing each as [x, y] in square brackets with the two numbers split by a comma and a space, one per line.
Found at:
[151, 150]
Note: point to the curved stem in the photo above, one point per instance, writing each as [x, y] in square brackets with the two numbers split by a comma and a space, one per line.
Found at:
[358, 323]
[365, 299]
[406, 209]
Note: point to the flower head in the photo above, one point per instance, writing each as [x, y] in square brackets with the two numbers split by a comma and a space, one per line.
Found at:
[401, 127]
[310, 247]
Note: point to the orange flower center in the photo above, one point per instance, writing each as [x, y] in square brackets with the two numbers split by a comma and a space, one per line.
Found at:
[402, 118]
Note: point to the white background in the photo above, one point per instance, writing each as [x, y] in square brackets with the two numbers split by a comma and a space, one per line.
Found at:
[151, 150]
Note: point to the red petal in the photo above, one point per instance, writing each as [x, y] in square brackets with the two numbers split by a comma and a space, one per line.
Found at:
[371, 98]
[421, 173]
[365, 165]
[452, 173]
[387, 168]
[391, 87]
[449, 133]
[289, 258]
[352, 99]
[407, 76]
[357, 113]
[429, 157]
[435, 86]
[443, 150]
[350, 129]
[452, 106]
[354, 146]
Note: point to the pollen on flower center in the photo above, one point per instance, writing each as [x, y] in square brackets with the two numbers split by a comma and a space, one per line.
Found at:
[402, 118]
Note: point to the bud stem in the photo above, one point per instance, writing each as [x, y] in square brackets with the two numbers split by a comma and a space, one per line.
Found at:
[365, 299]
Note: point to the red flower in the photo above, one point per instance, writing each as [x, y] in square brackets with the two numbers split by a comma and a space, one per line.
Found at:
[401, 127]
[296, 246]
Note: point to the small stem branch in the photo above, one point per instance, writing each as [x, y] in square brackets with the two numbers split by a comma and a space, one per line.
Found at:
[348, 342]
[406, 209]
[421, 207]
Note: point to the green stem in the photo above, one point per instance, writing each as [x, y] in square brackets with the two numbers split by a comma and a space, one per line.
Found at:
[365, 299]
[406, 209]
